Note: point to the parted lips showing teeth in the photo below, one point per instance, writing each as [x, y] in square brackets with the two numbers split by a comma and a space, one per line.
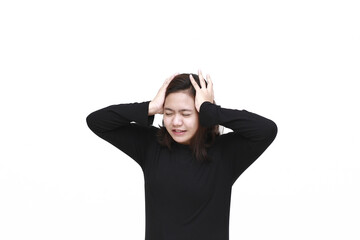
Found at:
[177, 130]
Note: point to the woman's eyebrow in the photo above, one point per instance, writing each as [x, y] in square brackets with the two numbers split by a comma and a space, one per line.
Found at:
[182, 110]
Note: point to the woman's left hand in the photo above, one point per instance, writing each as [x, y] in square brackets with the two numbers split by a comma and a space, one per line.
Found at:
[203, 93]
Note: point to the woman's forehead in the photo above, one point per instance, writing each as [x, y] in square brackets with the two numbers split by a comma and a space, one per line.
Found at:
[179, 101]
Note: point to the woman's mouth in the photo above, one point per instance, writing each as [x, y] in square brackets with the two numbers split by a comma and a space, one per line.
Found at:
[178, 132]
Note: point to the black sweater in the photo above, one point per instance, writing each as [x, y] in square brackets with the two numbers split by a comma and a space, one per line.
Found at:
[186, 199]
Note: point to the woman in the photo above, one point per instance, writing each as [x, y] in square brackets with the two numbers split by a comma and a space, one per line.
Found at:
[189, 168]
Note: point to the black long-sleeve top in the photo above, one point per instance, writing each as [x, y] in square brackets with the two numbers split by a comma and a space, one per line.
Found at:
[184, 198]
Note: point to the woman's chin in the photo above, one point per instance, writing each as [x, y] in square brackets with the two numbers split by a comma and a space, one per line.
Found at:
[181, 140]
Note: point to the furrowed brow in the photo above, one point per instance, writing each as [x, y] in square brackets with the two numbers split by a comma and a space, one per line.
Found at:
[185, 110]
[182, 110]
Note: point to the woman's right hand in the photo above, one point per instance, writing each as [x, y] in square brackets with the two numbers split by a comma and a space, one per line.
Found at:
[156, 106]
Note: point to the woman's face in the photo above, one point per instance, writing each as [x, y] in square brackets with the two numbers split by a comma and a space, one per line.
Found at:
[181, 119]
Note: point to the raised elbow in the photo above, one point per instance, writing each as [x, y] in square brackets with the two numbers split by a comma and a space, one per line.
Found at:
[272, 130]
[91, 122]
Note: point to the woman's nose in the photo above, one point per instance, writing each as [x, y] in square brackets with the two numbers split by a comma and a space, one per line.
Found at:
[177, 121]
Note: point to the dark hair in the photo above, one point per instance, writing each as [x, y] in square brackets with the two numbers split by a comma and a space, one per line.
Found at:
[204, 136]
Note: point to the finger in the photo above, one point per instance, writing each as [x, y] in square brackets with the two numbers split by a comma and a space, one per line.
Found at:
[209, 80]
[174, 75]
[193, 82]
[202, 81]
[166, 82]
[210, 87]
[169, 79]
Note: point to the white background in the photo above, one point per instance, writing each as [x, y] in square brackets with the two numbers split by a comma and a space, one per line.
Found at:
[295, 62]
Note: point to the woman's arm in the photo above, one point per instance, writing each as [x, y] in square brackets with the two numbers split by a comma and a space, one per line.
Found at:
[251, 135]
[249, 125]
[126, 126]
[112, 117]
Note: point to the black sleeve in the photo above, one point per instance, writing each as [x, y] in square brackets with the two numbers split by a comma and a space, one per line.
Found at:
[126, 126]
[251, 135]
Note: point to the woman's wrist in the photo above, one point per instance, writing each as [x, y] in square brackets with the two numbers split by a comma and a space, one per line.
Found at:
[152, 109]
